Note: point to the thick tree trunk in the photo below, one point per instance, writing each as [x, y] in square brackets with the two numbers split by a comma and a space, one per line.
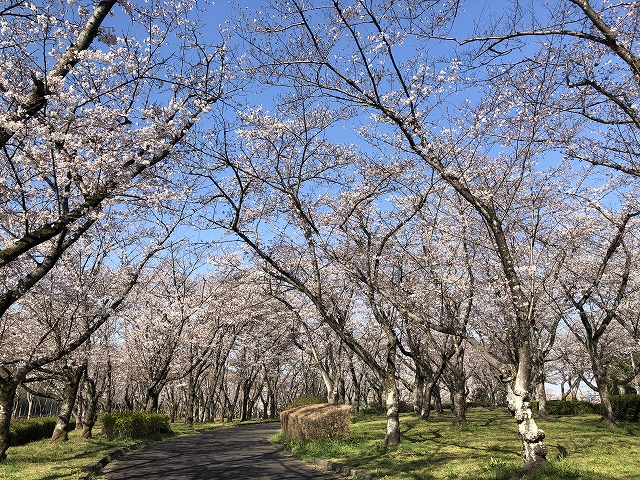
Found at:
[534, 451]
[7, 398]
[437, 398]
[600, 376]
[152, 400]
[393, 412]
[245, 411]
[273, 408]
[458, 400]
[190, 407]
[72, 378]
[458, 387]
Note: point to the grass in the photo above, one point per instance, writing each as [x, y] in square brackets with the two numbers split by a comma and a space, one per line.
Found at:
[580, 448]
[43, 460]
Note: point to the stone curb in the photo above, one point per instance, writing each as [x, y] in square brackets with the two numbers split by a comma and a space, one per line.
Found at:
[95, 468]
[343, 469]
[336, 467]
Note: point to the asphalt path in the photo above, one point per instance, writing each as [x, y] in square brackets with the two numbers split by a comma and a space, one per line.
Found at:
[239, 453]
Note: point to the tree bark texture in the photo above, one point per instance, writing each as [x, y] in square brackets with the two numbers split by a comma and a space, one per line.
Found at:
[72, 378]
[391, 393]
[7, 399]
[534, 450]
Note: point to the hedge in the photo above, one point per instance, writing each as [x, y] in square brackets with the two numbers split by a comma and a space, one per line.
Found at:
[303, 400]
[134, 424]
[569, 407]
[33, 429]
[626, 408]
[316, 421]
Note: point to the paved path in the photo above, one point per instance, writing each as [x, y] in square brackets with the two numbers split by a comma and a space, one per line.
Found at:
[240, 453]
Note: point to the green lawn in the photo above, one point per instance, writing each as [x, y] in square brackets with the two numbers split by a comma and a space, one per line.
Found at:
[488, 448]
[43, 460]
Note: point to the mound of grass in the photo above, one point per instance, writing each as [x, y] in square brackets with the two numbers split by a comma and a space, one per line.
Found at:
[580, 448]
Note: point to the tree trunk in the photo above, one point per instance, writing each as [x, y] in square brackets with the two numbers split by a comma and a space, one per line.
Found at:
[541, 395]
[30, 405]
[272, 404]
[72, 378]
[458, 387]
[437, 398]
[600, 375]
[108, 404]
[534, 451]
[190, 408]
[425, 412]
[393, 412]
[89, 414]
[458, 399]
[7, 398]
[357, 387]
[247, 401]
[152, 401]
[418, 392]
[392, 396]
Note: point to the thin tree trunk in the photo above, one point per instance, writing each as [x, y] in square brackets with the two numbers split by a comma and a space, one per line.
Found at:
[458, 394]
[392, 396]
[89, 414]
[541, 395]
[418, 393]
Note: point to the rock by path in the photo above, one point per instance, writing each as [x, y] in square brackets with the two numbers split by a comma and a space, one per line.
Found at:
[240, 453]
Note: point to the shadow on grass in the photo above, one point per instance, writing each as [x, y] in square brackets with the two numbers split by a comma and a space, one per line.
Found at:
[498, 470]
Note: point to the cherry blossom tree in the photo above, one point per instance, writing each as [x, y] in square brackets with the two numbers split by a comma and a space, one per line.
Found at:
[91, 116]
[595, 281]
[585, 53]
[376, 59]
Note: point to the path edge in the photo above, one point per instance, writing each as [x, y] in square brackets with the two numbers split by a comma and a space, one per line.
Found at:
[331, 466]
[96, 467]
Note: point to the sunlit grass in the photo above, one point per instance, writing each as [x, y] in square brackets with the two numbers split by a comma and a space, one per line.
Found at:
[580, 448]
[44, 460]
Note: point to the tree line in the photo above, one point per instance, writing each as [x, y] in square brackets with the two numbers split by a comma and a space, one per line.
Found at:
[366, 200]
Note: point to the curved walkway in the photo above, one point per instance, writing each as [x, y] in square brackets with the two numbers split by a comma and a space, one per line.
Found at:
[240, 453]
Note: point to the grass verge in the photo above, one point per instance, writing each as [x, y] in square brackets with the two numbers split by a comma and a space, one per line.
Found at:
[488, 448]
[44, 460]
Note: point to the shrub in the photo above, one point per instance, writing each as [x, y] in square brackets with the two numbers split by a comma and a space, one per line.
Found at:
[134, 424]
[568, 407]
[303, 400]
[626, 408]
[25, 431]
[318, 421]
[33, 429]
[369, 410]
[405, 407]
